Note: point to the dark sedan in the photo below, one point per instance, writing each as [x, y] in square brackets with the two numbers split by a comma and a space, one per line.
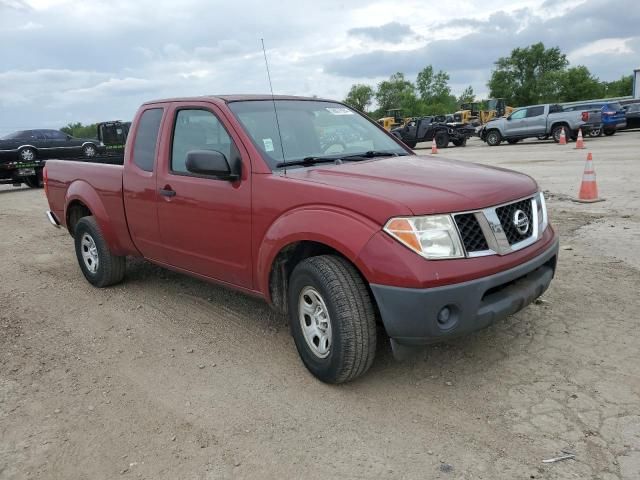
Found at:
[29, 145]
[632, 113]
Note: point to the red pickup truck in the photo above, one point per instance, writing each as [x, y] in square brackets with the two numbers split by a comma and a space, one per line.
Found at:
[313, 207]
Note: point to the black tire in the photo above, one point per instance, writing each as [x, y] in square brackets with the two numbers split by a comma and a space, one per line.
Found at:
[556, 132]
[33, 182]
[89, 150]
[109, 268]
[513, 141]
[460, 142]
[608, 133]
[351, 314]
[493, 138]
[411, 144]
[596, 132]
[27, 154]
[442, 139]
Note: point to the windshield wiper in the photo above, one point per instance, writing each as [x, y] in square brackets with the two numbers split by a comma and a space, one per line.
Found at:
[372, 154]
[307, 161]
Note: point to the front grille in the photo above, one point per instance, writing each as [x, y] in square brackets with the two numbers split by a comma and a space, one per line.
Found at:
[506, 217]
[471, 233]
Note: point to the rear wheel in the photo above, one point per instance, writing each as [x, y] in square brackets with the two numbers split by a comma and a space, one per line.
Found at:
[460, 142]
[493, 138]
[100, 267]
[442, 139]
[410, 144]
[27, 154]
[332, 318]
[557, 131]
[89, 150]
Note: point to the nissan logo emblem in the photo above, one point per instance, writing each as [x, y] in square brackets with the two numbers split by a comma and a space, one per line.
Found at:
[521, 222]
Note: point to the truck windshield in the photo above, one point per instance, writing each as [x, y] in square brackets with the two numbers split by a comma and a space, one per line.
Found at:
[309, 129]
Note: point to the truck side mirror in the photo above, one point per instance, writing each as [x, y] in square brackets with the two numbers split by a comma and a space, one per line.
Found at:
[211, 162]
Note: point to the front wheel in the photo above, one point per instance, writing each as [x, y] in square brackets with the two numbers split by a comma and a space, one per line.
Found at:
[100, 267]
[442, 139]
[332, 318]
[493, 138]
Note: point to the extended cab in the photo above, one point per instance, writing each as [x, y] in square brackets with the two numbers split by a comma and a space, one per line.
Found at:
[540, 121]
[344, 238]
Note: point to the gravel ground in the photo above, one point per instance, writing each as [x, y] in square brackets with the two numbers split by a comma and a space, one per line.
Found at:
[165, 376]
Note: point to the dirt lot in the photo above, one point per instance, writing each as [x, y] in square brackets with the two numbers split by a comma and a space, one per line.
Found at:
[164, 376]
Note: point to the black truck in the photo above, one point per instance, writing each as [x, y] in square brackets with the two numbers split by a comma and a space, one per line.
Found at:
[425, 129]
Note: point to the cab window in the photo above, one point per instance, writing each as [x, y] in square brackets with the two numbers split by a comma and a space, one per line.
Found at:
[519, 114]
[197, 130]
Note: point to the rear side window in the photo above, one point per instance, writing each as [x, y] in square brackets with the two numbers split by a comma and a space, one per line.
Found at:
[144, 148]
[535, 111]
[616, 107]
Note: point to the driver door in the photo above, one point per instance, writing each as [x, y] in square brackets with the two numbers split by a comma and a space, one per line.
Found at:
[516, 124]
[205, 222]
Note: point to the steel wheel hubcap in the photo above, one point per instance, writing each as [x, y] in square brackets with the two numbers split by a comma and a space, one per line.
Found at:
[315, 322]
[89, 253]
[89, 151]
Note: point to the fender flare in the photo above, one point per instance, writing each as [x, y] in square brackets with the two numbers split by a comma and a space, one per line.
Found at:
[81, 191]
[341, 229]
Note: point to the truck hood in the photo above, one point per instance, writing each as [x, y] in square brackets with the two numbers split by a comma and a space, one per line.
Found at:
[424, 184]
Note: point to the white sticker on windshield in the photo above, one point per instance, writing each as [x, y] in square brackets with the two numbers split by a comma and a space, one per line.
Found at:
[268, 144]
[339, 111]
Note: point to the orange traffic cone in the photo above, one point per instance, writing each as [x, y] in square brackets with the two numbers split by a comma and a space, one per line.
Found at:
[434, 147]
[580, 140]
[563, 137]
[589, 187]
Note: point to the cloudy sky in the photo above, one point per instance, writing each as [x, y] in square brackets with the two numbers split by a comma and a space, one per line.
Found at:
[92, 60]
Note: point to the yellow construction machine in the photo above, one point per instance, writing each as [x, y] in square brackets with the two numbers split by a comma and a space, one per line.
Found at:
[393, 119]
[479, 113]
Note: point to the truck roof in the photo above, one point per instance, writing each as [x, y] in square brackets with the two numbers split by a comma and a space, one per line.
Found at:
[237, 98]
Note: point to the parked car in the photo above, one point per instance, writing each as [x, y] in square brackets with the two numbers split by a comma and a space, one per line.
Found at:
[425, 129]
[632, 115]
[217, 188]
[29, 145]
[540, 121]
[613, 116]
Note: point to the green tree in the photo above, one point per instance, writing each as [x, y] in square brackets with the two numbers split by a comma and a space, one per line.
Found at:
[619, 88]
[576, 83]
[467, 96]
[397, 92]
[527, 75]
[360, 97]
[79, 130]
[435, 93]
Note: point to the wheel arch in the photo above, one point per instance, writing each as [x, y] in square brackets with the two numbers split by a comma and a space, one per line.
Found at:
[82, 199]
[306, 233]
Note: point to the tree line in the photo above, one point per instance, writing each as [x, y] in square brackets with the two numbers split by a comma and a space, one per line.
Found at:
[77, 129]
[528, 76]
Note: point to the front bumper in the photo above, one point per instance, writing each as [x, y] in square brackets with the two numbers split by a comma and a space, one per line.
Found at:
[410, 315]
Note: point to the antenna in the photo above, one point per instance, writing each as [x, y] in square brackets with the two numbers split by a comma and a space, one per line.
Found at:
[275, 110]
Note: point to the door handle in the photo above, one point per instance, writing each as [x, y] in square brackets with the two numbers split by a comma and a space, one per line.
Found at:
[167, 192]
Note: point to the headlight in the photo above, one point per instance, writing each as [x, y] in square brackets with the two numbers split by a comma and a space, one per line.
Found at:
[543, 220]
[434, 237]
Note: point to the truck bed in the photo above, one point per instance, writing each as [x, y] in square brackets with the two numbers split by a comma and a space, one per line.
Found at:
[68, 180]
